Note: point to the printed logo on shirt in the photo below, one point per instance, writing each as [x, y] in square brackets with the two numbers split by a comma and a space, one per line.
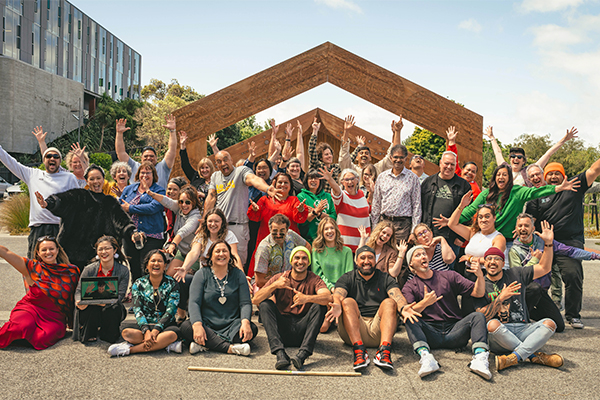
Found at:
[444, 193]
[221, 188]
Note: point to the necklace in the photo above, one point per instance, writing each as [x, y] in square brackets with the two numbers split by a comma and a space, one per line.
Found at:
[222, 299]
[156, 303]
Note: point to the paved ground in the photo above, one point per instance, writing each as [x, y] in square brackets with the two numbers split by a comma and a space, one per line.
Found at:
[70, 369]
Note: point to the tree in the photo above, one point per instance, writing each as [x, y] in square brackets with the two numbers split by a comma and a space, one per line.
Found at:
[105, 116]
[426, 143]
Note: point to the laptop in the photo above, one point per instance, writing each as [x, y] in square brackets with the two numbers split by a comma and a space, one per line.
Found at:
[99, 290]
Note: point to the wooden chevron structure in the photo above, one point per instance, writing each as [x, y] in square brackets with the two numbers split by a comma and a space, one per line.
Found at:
[332, 64]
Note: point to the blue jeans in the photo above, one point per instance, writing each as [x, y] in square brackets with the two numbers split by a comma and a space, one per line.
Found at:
[523, 339]
[448, 335]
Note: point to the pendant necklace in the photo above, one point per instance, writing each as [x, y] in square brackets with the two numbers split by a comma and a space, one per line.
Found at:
[154, 298]
[222, 299]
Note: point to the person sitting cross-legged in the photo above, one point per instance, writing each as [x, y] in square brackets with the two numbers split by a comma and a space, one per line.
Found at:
[505, 308]
[292, 307]
[442, 324]
[366, 302]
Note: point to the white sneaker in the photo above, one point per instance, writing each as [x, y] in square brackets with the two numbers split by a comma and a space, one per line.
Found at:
[175, 347]
[196, 348]
[481, 366]
[119, 349]
[242, 349]
[428, 365]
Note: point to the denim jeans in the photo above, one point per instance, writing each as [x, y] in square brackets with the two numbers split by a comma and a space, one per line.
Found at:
[523, 339]
[448, 335]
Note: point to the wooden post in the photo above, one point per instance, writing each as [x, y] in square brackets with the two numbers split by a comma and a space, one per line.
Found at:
[272, 372]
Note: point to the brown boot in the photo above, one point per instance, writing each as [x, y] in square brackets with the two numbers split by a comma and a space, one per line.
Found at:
[503, 362]
[550, 360]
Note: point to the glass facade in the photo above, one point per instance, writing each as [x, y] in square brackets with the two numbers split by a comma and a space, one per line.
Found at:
[55, 36]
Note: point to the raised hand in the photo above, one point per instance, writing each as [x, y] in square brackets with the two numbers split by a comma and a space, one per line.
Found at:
[115, 189]
[254, 206]
[299, 126]
[287, 153]
[489, 132]
[170, 125]
[39, 134]
[322, 206]
[325, 174]
[360, 140]
[315, 126]
[397, 125]
[277, 145]
[40, 200]
[363, 232]
[251, 150]
[122, 126]
[212, 140]
[547, 234]
[300, 206]
[289, 130]
[430, 298]
[182, 139]
[274, 127]
[466, 199]
[77, 150]
[440, 222]
[451, 135]
[402, 246]
[509, 291]
[571, 133]
[568, 185]
[275, 193]
[348, 122]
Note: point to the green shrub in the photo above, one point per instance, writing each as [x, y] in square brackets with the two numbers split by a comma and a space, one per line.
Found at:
[102, 159]
[14, 214]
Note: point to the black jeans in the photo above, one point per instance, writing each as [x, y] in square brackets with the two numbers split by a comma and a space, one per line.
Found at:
[213, 341]
[101, 322]
[291, 330]
[136, 257]
[571, 272]
[540, 306]
[449, 335]
[37, 232]
[184, 292]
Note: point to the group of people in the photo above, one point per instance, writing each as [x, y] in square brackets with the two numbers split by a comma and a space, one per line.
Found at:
[313, 244]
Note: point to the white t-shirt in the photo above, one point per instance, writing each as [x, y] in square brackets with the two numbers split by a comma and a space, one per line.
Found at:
[162, 171]
[230, 239]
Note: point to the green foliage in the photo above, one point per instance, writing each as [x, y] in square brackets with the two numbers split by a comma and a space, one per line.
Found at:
[426, 143]
[249, 127]
[227, 137]
[24, 188]
[158, 90]
[102, 159]
[576, 157]
[14, 214]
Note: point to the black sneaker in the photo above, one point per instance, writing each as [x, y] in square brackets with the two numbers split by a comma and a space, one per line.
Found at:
[283, 361]
[298, 359]
[383, 358]
[361, 358]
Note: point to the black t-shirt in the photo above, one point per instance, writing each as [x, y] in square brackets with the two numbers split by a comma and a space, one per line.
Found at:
[564, 210]
[368, 294]
[515, 308]
[443, 203]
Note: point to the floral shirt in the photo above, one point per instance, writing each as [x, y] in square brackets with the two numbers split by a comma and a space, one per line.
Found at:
[155, 307]
[271, 259]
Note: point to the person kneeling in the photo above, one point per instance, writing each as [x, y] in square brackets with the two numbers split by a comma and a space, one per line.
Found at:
[368, 301]
[155, 300]
[442, 325]
[296, 311]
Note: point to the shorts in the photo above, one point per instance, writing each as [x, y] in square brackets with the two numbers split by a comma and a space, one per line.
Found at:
[134, 325]
[370, 331]
[195, 266]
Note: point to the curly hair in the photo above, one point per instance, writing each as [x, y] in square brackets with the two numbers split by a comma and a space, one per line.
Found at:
[319, 242]
[192, 195]
[204, 233]
[232, 259]
[117, 166]
[372, 240]
[321, 147]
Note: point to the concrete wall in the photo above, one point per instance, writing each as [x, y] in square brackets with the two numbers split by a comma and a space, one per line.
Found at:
[30, 97]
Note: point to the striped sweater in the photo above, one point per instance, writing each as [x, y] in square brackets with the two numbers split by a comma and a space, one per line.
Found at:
[352, 212]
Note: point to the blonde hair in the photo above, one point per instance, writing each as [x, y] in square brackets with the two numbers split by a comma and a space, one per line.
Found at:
[377, 231]
[319, 243]
[206, 161]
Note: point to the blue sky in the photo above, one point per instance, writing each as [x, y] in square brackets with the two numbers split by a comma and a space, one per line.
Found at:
[526, 66]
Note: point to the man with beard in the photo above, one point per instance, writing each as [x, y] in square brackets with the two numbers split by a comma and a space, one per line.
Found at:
[442, 324]
[505, 308]
[397, 196]
[295, 315]
[564, 210]
[228, 191]
[527, 250]
[51, 181]
[366, 302]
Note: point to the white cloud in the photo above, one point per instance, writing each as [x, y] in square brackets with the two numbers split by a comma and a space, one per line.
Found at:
[341, 4]
[470, 25]
[548, 5]
[556, 36]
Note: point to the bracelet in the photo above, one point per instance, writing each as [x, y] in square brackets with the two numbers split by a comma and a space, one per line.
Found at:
[402, 308]
[548, 245]
[288, 140]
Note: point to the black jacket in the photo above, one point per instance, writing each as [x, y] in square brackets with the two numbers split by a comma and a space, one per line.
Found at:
[429, 187]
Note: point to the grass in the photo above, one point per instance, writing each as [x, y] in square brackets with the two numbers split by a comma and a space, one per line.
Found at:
[14, 214]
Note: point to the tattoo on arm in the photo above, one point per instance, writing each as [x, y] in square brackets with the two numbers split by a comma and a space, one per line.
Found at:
[341, 292]
[396, 294]
[491, 310]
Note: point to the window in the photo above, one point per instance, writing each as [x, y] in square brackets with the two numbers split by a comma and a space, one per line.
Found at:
[100, 82]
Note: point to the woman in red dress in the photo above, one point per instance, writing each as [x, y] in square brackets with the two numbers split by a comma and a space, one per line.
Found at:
[267, 206]
[42, 315]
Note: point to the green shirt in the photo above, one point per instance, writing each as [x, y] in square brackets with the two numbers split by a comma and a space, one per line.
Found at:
[506, 220]
[308, 229]
[331, 264]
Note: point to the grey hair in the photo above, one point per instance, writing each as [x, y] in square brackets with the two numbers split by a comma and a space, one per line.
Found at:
[534, 166]
[526, 215]
[117, 165]
[449, 153]
[349, 171]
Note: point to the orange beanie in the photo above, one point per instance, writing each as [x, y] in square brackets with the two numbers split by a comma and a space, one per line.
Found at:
[554, 166]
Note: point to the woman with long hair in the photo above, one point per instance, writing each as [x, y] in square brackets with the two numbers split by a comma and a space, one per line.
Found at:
[388, 255]
[155, 300]
[199, 177]
[330, 258]
[102, 321]
[42, 315]
[220, 306]
[315, 197]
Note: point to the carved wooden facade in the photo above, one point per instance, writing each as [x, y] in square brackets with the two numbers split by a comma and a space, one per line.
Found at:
[329, 63]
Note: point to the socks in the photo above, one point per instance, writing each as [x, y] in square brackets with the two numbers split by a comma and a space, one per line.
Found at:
[385, 344]
[422, 351]
[358, 344]
[518, 356]
[479, 350]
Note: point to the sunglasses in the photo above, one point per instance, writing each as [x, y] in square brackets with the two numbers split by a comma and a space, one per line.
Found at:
[519, 156]
[186, 202]
[488, 205]
[47, 237]
[52, 155]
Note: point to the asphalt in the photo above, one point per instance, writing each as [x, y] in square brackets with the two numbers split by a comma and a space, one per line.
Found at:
[72, 370]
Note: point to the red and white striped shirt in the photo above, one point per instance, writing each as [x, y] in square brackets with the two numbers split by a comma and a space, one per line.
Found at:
[352, 212]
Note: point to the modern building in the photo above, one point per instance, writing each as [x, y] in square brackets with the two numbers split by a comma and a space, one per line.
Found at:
[55, 61]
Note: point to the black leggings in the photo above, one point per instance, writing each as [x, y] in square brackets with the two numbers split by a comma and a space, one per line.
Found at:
[101, 322]
[213, 341]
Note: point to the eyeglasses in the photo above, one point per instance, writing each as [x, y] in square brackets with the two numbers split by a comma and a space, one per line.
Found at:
[186, 202]
[52, 155]
[47, 237]
[348, 179]
[494, 258]
[425, 232]
[519, 156]
[103, 249]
